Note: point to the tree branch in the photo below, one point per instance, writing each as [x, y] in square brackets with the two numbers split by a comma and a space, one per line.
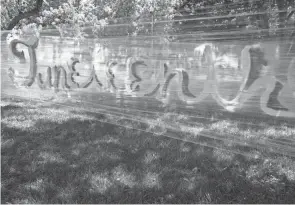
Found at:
[24, 15]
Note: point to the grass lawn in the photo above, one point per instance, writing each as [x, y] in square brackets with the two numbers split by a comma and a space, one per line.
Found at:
[55, 154]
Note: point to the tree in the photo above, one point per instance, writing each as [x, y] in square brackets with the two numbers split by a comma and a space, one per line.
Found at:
[216, 15]
[20, 10]
[265, 16]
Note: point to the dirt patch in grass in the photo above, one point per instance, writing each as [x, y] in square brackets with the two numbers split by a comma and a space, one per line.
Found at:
[51, 154]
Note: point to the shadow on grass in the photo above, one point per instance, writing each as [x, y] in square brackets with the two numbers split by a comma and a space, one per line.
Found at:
[63, 157]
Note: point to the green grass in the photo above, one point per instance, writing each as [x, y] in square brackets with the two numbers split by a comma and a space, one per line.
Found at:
[53, 154]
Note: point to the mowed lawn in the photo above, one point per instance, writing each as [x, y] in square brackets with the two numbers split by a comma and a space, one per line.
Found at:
[54, 154]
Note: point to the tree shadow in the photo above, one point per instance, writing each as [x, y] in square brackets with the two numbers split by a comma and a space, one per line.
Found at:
[81, 160]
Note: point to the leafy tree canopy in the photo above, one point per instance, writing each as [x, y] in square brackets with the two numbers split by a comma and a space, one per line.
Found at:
[193, 15]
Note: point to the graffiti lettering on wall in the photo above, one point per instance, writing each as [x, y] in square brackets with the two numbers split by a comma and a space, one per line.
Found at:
[137, 79]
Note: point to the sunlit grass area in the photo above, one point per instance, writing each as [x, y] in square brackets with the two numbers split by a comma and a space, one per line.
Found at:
[55, 154]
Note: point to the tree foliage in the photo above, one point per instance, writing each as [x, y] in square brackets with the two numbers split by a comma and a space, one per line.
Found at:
[264, 15]
[205, 15]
